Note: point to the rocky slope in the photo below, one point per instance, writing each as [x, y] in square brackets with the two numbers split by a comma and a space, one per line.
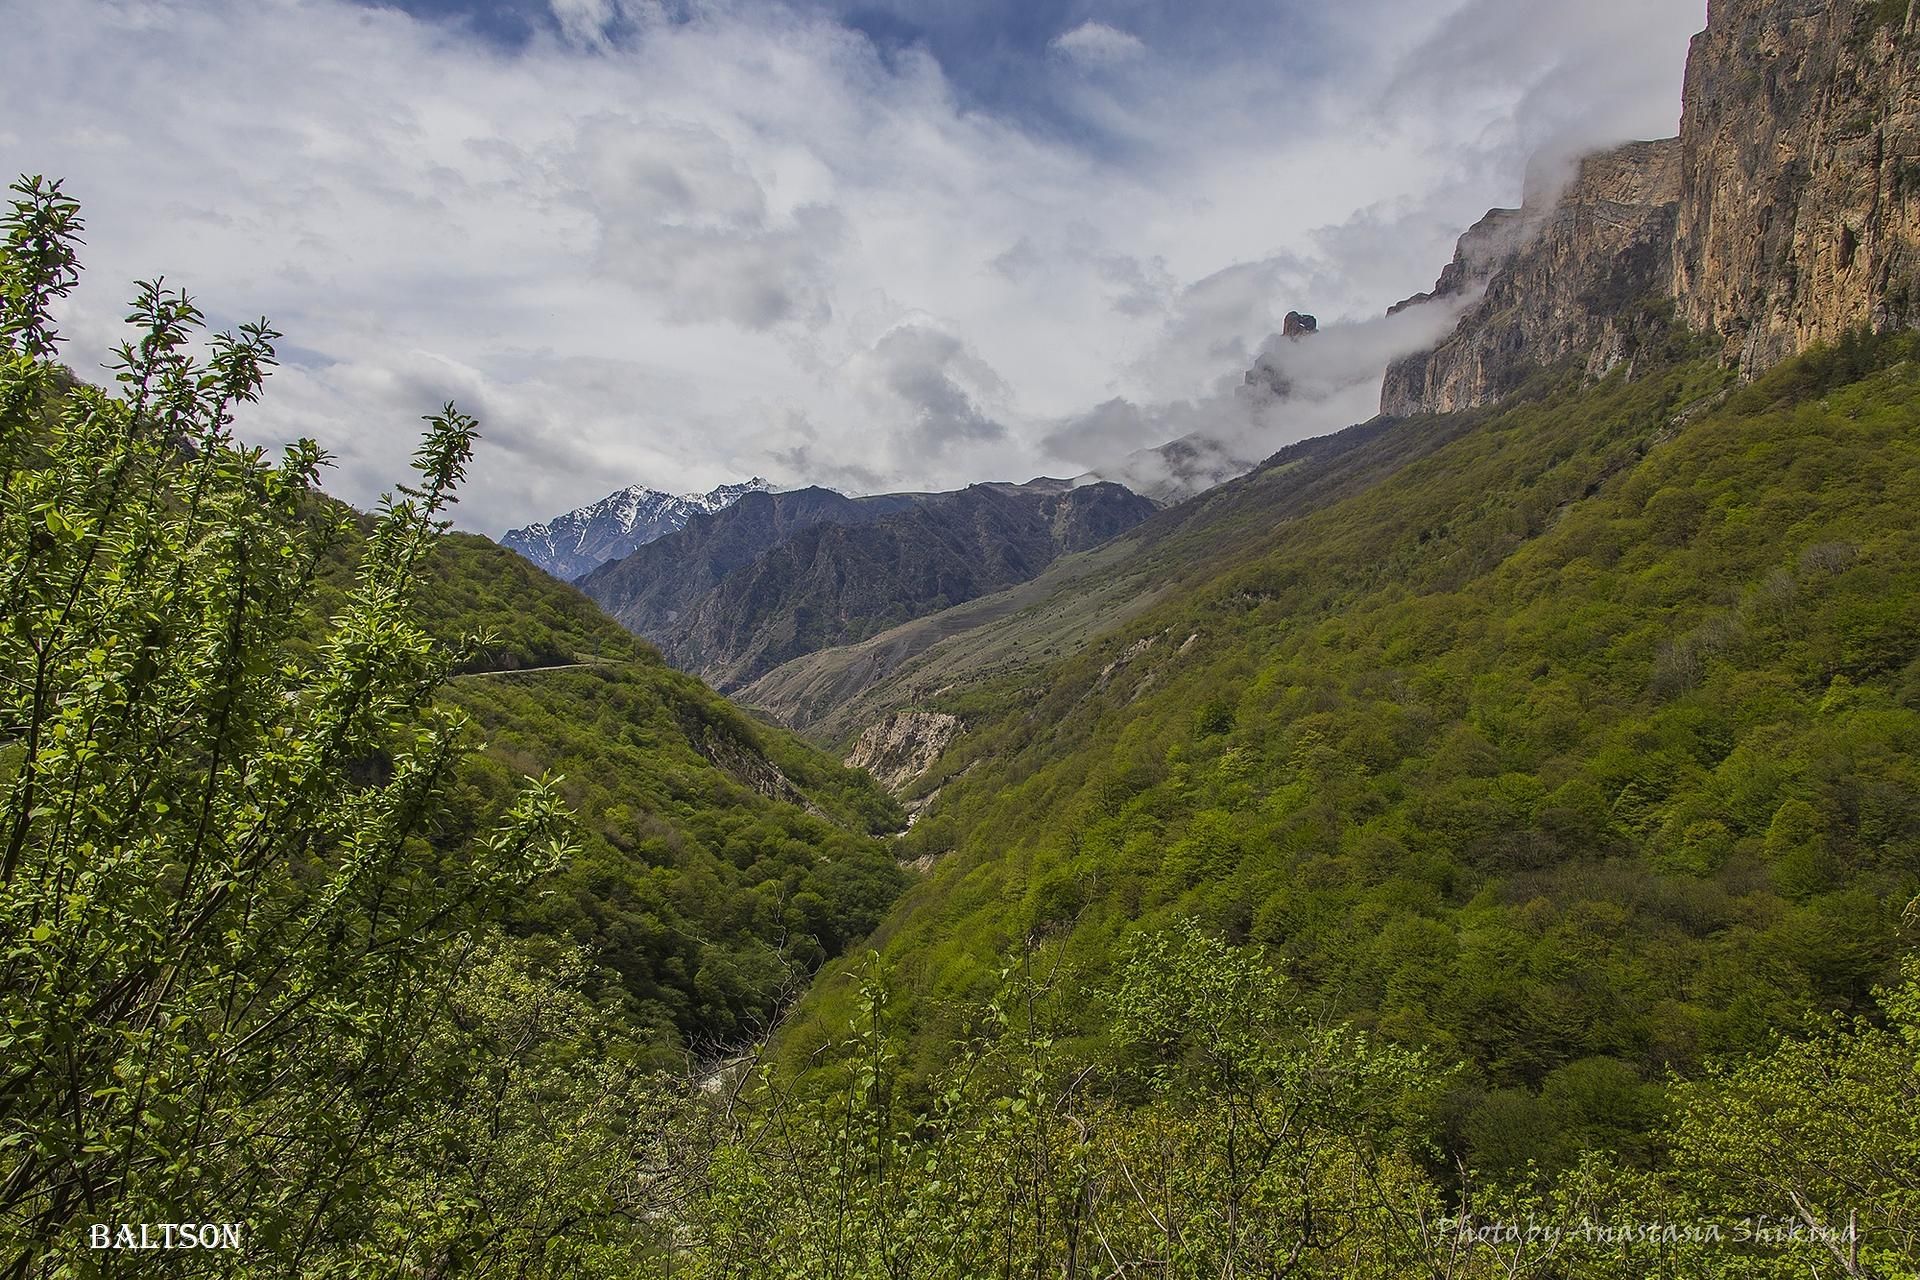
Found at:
[898, 750]
[735, 595]
[572, 544]
[1783, 215]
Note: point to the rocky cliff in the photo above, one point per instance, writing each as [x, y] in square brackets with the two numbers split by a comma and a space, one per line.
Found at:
[1785, 213]
[898, 749]
[1561, 275]
[1800, 173]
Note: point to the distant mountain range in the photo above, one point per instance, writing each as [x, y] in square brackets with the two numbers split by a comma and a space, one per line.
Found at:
[579, 541]
[777, 575]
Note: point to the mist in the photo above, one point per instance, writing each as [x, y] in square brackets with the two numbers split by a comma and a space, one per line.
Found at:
[1297, 388]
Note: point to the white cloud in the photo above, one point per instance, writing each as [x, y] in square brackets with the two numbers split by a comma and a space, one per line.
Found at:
[599, 24]
[1098, 44]
[683, 221]
[1295, 389]
[748, 242]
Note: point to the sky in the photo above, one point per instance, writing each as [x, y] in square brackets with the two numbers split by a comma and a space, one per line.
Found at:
[891, 244]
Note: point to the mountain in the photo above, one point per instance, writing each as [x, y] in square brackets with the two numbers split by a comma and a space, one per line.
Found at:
[1559, 723]
[835, 694]
[1785, 215]
[776, 576]
[1507, 807]
[572, 544]
[1582, 658]
[1591, 272]
[649, 589]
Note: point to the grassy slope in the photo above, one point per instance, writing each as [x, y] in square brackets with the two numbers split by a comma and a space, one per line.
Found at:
[1581, 745]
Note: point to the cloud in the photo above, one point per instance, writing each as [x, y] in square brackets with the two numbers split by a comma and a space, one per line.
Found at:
[686, 245]
[599, 24]
[1554, 80]
[681, 218]
[1097, 44]
[1296, 389]
[937, 388]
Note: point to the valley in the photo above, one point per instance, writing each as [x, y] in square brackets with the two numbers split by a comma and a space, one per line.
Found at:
[1481, 841]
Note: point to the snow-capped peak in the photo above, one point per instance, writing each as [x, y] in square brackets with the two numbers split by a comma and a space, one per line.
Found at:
[569, 545]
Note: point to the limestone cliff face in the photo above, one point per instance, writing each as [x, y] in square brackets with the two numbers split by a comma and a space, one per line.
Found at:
[1785, 213]
[1557, 277]
[1800, 173]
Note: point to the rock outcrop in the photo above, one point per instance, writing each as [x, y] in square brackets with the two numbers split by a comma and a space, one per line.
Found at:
[900, 748]
[1486, 245]
[1556, 277]
[1800, 173]
[1786, 213]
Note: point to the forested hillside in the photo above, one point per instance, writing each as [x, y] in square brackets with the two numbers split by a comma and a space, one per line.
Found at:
[359, 880]
[1480, 844]
[1581, 747]
[720, 860]
[1568, 769]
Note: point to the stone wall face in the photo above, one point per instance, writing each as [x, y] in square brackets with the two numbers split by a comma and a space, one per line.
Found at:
[1800, 175]
[1555, 280]
[1786, 213]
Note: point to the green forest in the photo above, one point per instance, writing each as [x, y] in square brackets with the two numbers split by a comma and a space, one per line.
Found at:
[718, 860]
[1496, 857]
[1583, 745]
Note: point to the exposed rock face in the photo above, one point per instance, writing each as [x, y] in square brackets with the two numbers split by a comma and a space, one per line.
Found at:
[897, 750]
[1480, 252]
[736, 594]
[1785, 213]
[1264, 377]
[1559, 276]
[647, 590]
[753, 769]
[1800, 169]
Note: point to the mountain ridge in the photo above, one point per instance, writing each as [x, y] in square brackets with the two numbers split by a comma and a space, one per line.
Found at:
[578, 541]
[775, 577]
